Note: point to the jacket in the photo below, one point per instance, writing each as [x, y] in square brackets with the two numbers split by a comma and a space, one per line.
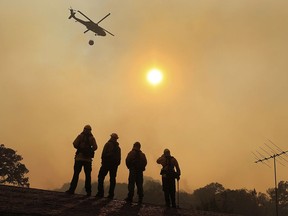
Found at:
[136, 160]
[111, 154]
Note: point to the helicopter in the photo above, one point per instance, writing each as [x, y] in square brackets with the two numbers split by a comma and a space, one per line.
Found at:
[90, 25]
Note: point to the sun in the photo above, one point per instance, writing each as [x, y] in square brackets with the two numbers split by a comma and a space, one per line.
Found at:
[154, 76]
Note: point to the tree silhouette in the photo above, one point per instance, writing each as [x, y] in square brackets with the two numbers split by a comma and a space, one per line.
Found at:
[204, 198]
[242, 201]
[214, 197]
[282, 197]
[12, 171]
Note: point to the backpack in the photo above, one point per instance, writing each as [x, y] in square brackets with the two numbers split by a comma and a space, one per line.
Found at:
[87, 151]
[168, 170]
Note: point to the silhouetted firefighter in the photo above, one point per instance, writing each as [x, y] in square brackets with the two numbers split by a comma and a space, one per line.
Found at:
[169, 175]
[136, 162]
[111, 158]
[86, 145]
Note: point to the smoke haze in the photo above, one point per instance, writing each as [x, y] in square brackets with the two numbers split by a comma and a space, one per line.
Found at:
[223, 95]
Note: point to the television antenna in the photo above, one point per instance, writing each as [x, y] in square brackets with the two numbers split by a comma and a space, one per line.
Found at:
[273, 153]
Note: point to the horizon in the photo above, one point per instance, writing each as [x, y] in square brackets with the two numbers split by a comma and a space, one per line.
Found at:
[81, 186]
[222, 96]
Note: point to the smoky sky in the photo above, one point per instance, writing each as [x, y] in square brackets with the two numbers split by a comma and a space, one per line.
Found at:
[223, 95]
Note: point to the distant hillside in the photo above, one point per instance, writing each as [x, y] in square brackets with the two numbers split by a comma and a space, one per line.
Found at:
[31, 202]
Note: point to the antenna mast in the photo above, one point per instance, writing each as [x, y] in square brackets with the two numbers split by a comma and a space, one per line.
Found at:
[273, 156]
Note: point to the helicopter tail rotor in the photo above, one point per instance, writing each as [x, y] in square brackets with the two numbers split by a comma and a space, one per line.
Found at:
[72, 13]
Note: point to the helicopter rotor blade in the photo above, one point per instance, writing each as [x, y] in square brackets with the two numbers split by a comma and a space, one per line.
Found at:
[103, 18]
[85, 16]
[108, 32]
